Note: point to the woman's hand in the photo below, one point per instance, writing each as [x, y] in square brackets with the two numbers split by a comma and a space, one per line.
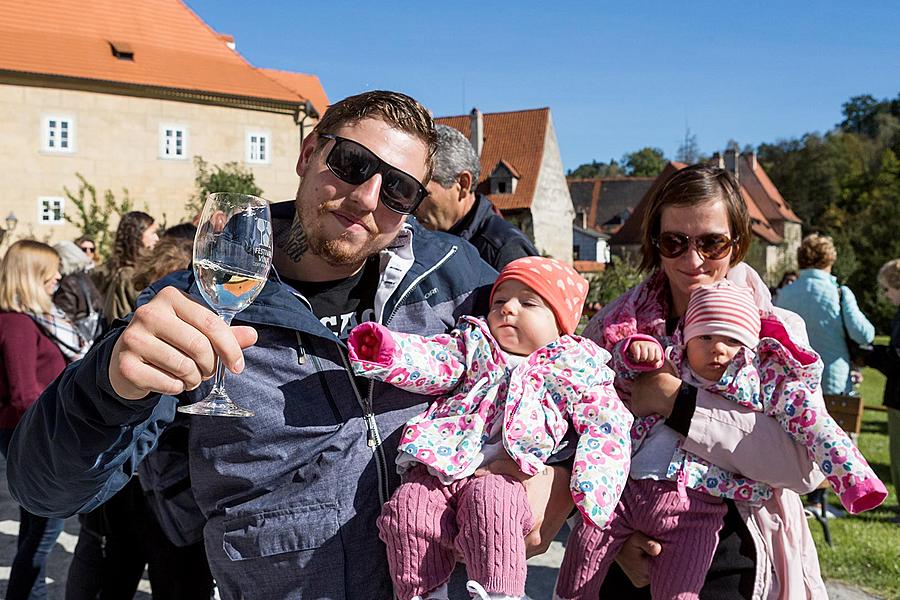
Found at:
[548, 496]
[634, 558]
[654, 393]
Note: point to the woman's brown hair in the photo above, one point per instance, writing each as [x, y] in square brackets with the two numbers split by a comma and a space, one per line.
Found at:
[128, 245]
[691, 186]
[170, 254]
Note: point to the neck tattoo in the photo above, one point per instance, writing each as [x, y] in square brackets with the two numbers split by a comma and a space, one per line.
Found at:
[292, 240]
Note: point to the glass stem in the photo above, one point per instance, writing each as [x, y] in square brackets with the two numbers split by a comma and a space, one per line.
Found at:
[218, 389]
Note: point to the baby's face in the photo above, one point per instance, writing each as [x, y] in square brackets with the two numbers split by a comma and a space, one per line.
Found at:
[520, 319]
[709, 355]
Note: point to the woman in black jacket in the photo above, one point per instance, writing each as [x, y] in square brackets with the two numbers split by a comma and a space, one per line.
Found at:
[887, 360]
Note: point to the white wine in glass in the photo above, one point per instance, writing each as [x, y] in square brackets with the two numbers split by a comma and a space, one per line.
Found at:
[232, 257]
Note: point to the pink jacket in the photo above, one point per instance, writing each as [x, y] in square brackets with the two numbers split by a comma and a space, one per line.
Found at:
[741, 440]
[566, 380]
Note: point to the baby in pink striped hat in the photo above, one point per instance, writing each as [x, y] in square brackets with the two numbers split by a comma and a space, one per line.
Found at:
[726, 347]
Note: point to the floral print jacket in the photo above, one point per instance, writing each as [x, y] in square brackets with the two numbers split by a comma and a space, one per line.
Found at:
[566, 380]
[778, 378]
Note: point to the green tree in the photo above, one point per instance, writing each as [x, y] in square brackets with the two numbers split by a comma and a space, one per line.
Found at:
[595, 169]
[846, 183]
[93, 216]
[646, 162]
[619, 276]
[229, 177]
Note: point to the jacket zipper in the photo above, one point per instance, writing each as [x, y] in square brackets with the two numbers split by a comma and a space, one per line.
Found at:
[374, 436]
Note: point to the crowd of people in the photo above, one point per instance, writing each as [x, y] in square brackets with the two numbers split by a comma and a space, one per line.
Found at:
[454, 419]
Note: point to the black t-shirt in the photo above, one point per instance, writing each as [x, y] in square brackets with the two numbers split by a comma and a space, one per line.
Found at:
[343, 304]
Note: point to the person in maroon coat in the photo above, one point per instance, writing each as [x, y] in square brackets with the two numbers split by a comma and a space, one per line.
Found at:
[30, 360]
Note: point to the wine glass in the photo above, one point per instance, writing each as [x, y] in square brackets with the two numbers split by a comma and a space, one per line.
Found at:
[232, 256]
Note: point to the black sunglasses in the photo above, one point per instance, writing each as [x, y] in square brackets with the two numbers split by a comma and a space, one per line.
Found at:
[87, 249]
[711, 245]
[355, 164]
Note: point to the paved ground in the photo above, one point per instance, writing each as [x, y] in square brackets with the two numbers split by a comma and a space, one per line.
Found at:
[541, 569]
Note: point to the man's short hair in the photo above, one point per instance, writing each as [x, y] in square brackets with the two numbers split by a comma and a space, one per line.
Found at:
[453, 156]
[395, 109]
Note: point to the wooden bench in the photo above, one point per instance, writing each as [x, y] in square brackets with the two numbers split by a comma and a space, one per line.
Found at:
[848, 412]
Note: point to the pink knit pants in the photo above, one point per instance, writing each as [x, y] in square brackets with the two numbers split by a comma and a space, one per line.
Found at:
[687, 527]
[426, 525]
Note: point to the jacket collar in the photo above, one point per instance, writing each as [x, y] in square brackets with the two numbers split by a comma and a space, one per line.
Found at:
[474, 220]
[817, 274]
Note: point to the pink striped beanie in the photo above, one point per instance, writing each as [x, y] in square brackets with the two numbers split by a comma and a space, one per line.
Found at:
[723, 308]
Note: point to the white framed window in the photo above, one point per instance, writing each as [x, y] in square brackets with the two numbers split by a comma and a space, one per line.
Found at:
[259, 147]
[58, 133]
[51, 210]
[173, 140]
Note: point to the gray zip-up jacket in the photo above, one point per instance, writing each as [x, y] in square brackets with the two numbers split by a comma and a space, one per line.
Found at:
[290, 495]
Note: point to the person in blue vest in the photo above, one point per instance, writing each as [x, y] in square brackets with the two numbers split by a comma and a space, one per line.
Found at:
[291, 495]
[452, 205]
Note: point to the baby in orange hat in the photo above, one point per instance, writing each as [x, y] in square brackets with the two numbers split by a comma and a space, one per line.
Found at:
[509, 386]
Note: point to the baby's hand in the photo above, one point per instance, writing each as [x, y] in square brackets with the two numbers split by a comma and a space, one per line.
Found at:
[644, 352]
[368, 341]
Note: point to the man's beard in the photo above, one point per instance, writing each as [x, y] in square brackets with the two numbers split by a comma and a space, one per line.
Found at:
[339, 251]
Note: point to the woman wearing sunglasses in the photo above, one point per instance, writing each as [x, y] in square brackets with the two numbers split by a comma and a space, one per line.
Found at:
[696, 231]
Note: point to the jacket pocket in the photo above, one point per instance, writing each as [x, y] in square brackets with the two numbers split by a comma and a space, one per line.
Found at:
[273, 532]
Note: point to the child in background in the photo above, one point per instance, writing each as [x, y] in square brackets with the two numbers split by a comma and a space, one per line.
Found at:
[681, 504]
[511, 385]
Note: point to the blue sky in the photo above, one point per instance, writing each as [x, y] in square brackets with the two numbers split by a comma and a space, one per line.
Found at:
[617, 76]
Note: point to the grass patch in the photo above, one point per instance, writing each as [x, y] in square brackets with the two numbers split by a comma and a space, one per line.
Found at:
[866, 551]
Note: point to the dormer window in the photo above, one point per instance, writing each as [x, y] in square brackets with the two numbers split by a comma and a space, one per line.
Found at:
[122, 50]
[504, 178]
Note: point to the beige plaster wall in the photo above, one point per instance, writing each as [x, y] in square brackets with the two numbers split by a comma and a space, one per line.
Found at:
[116, 145]
[551, 209]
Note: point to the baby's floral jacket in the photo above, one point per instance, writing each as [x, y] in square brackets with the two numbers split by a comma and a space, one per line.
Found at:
[565, 381]
[779, 378]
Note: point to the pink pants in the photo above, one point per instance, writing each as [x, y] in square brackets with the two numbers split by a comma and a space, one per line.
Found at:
[686, 527]
[426, 525]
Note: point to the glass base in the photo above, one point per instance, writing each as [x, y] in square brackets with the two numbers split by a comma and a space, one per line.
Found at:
[216, 405]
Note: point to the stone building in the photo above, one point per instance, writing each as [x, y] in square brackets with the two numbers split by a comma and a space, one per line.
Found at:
[522, 173]
[126, 94]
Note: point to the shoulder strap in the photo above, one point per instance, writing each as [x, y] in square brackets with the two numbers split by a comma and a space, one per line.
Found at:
[841, 309]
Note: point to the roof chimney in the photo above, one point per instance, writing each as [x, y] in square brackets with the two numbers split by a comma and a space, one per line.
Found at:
[751, 158]
[717, 160]
[476, 130]
[731, 162]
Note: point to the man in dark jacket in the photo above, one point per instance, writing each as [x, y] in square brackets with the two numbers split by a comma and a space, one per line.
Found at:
[290, 495]
[452, 205]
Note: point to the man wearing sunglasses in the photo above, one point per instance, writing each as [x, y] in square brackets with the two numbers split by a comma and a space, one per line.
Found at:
[452, 205]
[290, 495]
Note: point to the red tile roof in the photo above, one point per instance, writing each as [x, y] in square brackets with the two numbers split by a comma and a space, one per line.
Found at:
[172, 48]
[305, 86]
[517, 138]
[756, 181]
[588, 266]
